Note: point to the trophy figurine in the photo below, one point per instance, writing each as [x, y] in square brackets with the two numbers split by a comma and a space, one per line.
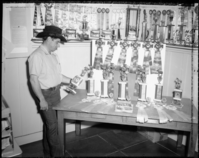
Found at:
[76, 81]
[159, 87]
[122, 86]
[84, 28]
[177, 93]
[104, 82]
[90, 83]
[142, 84]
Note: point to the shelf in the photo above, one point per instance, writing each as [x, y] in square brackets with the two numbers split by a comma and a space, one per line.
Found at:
[5, 133]
[9, 152]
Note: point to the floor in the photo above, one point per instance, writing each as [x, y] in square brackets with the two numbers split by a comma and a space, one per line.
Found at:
[110, 140]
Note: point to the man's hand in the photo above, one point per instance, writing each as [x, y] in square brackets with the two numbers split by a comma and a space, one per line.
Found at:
[43, 104]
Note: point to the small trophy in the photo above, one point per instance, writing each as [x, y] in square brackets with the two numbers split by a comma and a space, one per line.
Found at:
[104, 82]
[90, 83]
[159, 87]
[177, 93]
[122, 92]
[76, 81]
[142, 84]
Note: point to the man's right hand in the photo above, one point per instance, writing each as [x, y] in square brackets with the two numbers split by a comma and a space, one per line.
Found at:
[43, 104]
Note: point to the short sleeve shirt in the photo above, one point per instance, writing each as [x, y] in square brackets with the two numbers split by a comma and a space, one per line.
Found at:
[46, 66]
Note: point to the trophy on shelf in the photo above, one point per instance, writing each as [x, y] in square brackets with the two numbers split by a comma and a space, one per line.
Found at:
[158, 87]
[76, 81]
[113, 36]
[122, 85]
[142, 83]
[104, 82]
[118, 29]
[84, 28]
[177, 93]
[181, 26]
[111, 80]
[156, 26]
[195, 27]
[90, 82]
[145, 32]
[163, 27]
[170, 15]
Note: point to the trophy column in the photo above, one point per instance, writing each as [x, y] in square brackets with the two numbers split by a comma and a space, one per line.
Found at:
[104, 82]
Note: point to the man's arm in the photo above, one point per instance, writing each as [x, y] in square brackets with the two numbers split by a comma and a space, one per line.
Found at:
[66, 80]
[37, 90]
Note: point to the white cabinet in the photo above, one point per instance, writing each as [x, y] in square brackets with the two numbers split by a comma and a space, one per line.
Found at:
[27, 123]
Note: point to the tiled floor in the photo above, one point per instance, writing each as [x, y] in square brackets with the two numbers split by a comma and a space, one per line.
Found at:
[109, 140]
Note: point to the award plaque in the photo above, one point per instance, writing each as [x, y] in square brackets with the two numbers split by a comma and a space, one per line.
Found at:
[177, 93]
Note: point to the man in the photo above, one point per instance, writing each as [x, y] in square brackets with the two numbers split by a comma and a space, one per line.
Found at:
[45, 79]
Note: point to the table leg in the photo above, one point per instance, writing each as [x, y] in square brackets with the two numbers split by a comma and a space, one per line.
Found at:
[61, 128]
[192, 141]
[179, 139]
[78, 128]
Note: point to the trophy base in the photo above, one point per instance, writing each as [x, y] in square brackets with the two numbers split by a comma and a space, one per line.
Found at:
[71, 90]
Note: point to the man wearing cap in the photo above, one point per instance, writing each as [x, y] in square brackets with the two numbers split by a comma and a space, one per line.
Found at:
[45, 79]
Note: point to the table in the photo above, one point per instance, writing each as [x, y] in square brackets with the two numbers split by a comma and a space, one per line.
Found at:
[70, 108]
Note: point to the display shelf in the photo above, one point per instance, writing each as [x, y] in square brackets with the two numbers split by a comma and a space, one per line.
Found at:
[9, 146]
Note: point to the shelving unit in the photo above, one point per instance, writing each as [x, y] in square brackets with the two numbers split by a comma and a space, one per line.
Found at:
[9, 146]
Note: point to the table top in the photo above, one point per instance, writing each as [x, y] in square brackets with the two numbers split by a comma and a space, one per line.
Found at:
[73, 103]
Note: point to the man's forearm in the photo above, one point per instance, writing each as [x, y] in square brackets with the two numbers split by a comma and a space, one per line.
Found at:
[36, 87]
[66, 80]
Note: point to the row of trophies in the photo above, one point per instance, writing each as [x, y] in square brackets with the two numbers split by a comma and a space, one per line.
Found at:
[107, 84]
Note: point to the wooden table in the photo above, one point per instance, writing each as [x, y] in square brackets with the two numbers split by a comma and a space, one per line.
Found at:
[70, 108]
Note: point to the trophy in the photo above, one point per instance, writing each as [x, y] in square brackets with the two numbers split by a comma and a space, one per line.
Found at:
[156, 26]
[142, 84]
[145, 32]
[181, 27]
[177, 93]
[113, 36]
[122, 86]
[163, 27]
[84, 27]
[195, 27]
[104, 82]
[118, 30]
[90, 83]
[159, 87]
[111, 80]
[76, 81]
[170, 15]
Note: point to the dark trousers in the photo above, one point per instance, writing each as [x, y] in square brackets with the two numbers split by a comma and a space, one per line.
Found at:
[51, 141]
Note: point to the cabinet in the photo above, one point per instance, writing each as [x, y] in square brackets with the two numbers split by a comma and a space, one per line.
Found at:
[9, 146]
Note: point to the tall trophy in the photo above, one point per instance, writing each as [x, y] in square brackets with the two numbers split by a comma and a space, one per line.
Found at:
[122, 85]
[195, 27]
[90, 82]
[170, 15]
[118, 29]
[177, 93]
[145, 32]
[142, 84]
[159, 87]
[181, 26]
[76, 81]
[104, 82]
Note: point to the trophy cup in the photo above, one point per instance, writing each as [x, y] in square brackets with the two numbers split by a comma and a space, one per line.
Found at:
[84, 27]
[90, 83]
[76, 81]
[145, 32]
[142, 84]
[163, 27]
[122, 93]
[170, 15]
[104, 82]
[177, 93]
[181, 27]
[195, 27]
[159, 87]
